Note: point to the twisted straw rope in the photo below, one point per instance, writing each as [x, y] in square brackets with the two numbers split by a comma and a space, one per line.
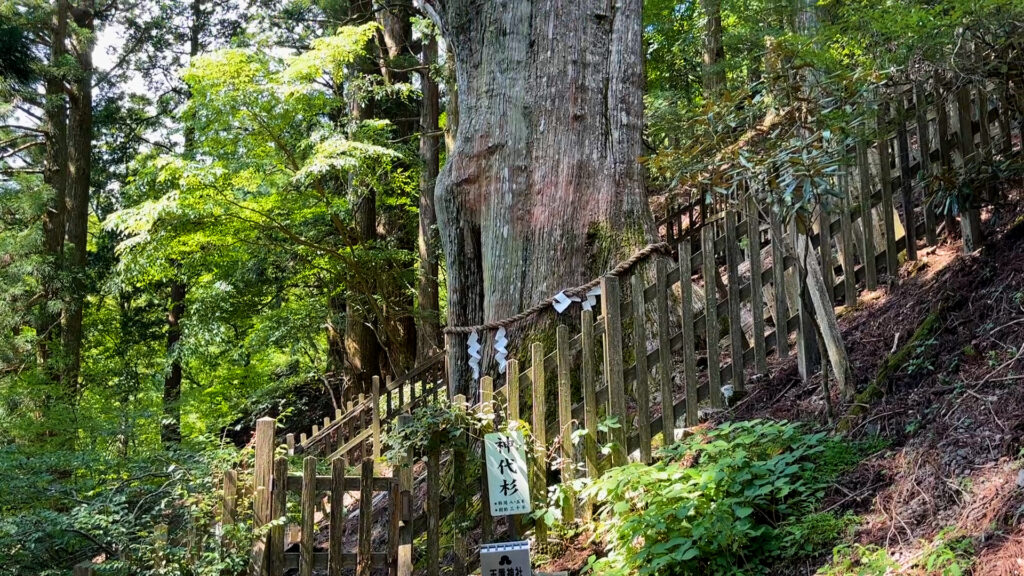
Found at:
[578, 291]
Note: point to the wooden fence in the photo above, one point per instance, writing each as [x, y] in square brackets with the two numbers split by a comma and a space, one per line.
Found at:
[713, 315]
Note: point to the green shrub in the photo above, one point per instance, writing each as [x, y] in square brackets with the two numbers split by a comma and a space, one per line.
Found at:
[726, 502]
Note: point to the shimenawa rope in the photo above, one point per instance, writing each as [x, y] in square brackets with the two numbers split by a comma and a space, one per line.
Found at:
[578, 291]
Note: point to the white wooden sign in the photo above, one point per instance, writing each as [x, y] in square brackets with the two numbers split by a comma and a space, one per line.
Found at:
[506, 559]
[507, 483]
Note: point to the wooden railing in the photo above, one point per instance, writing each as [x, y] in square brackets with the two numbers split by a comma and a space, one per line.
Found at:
[657, 353]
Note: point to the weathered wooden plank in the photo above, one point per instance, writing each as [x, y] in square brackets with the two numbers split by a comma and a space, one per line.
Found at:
[869, 249]
[365, 565]
[588, 380]
[433, 506]
[486, 407]
[756, 287]
[512, 390]
[885, 180]
[906, 190]
[712, 330]
[924, 142]
[825, 245]
[378, 438]
[641, 385]
[394, 523]
[540, 447]
[613, 365]
[848, 251]
[306, 514]
[686, 314]
[336, 542]
[779, 286]
[405, 486]
[263, 474]
[970, 216]
[279, 499]
[664, 357]
[984, 127]
[732, 265]
[565, 422]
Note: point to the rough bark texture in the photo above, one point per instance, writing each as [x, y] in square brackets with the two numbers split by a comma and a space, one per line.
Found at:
[77, 199]
[429, 331]
[170, 429]
[543, 190]
[55, 176]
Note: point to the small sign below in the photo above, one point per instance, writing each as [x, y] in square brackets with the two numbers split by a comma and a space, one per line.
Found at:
[507, 481]
[505, 559]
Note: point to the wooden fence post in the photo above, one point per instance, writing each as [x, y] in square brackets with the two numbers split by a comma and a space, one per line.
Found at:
[885, 180]
[375, 417]
[540, 446]
[278, 503]
[756, 287]
[906, 188]
[405, 485]
[228, 514]
[711, 327]
[611, 310]
[686, 314]
[364, 565]
[668, 416]
[336, 551]
[263, 473]
[870, 249]
[641, 386]
[433, 505]
[306, 516]
[590, 422]
[486, 407]
[732, 265]
[924, 141]
[563, 356]
[970, 216]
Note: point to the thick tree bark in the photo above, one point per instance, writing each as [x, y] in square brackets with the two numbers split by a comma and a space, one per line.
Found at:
[47, 325]
[544, 190]
[429, 330]
[77, 199]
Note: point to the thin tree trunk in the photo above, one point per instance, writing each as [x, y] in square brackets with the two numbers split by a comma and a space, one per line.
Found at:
[543, 190]
[77, 199]
[429, 330]
[714, 50]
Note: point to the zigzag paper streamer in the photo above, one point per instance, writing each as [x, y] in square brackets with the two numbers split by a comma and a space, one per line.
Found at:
[500, 349]
[591, 300]
[473, 347]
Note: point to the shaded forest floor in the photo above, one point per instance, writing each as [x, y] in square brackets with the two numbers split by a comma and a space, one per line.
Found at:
[941, 354]
[938, 358]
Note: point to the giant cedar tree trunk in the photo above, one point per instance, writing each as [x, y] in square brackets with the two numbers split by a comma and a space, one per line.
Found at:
[544, 190]
[714, 50]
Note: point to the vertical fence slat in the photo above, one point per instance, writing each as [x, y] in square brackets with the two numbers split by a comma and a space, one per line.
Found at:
[779, 287]
[365, 562]
[611, 310]
[945, 145]
[711, 327]
[433, 506]
[375, 417]
[668, 417]
[336, 545]
[970, 217]
[279, 499]
[460, 546]
[825, 249]
[486, 407]
[732, 265]
[565, 423]
[263, 473]
[394, 522]
[228, 514]
[906, 189]
[849, 249]
[512, 389]
[885, 180]
[588, 381]
[686, 314]
[869, 249]
[641, 385]
[405, 485]
[924, 142]
[540, 437]
[306, 515]
[983, 107]
[756, 288]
